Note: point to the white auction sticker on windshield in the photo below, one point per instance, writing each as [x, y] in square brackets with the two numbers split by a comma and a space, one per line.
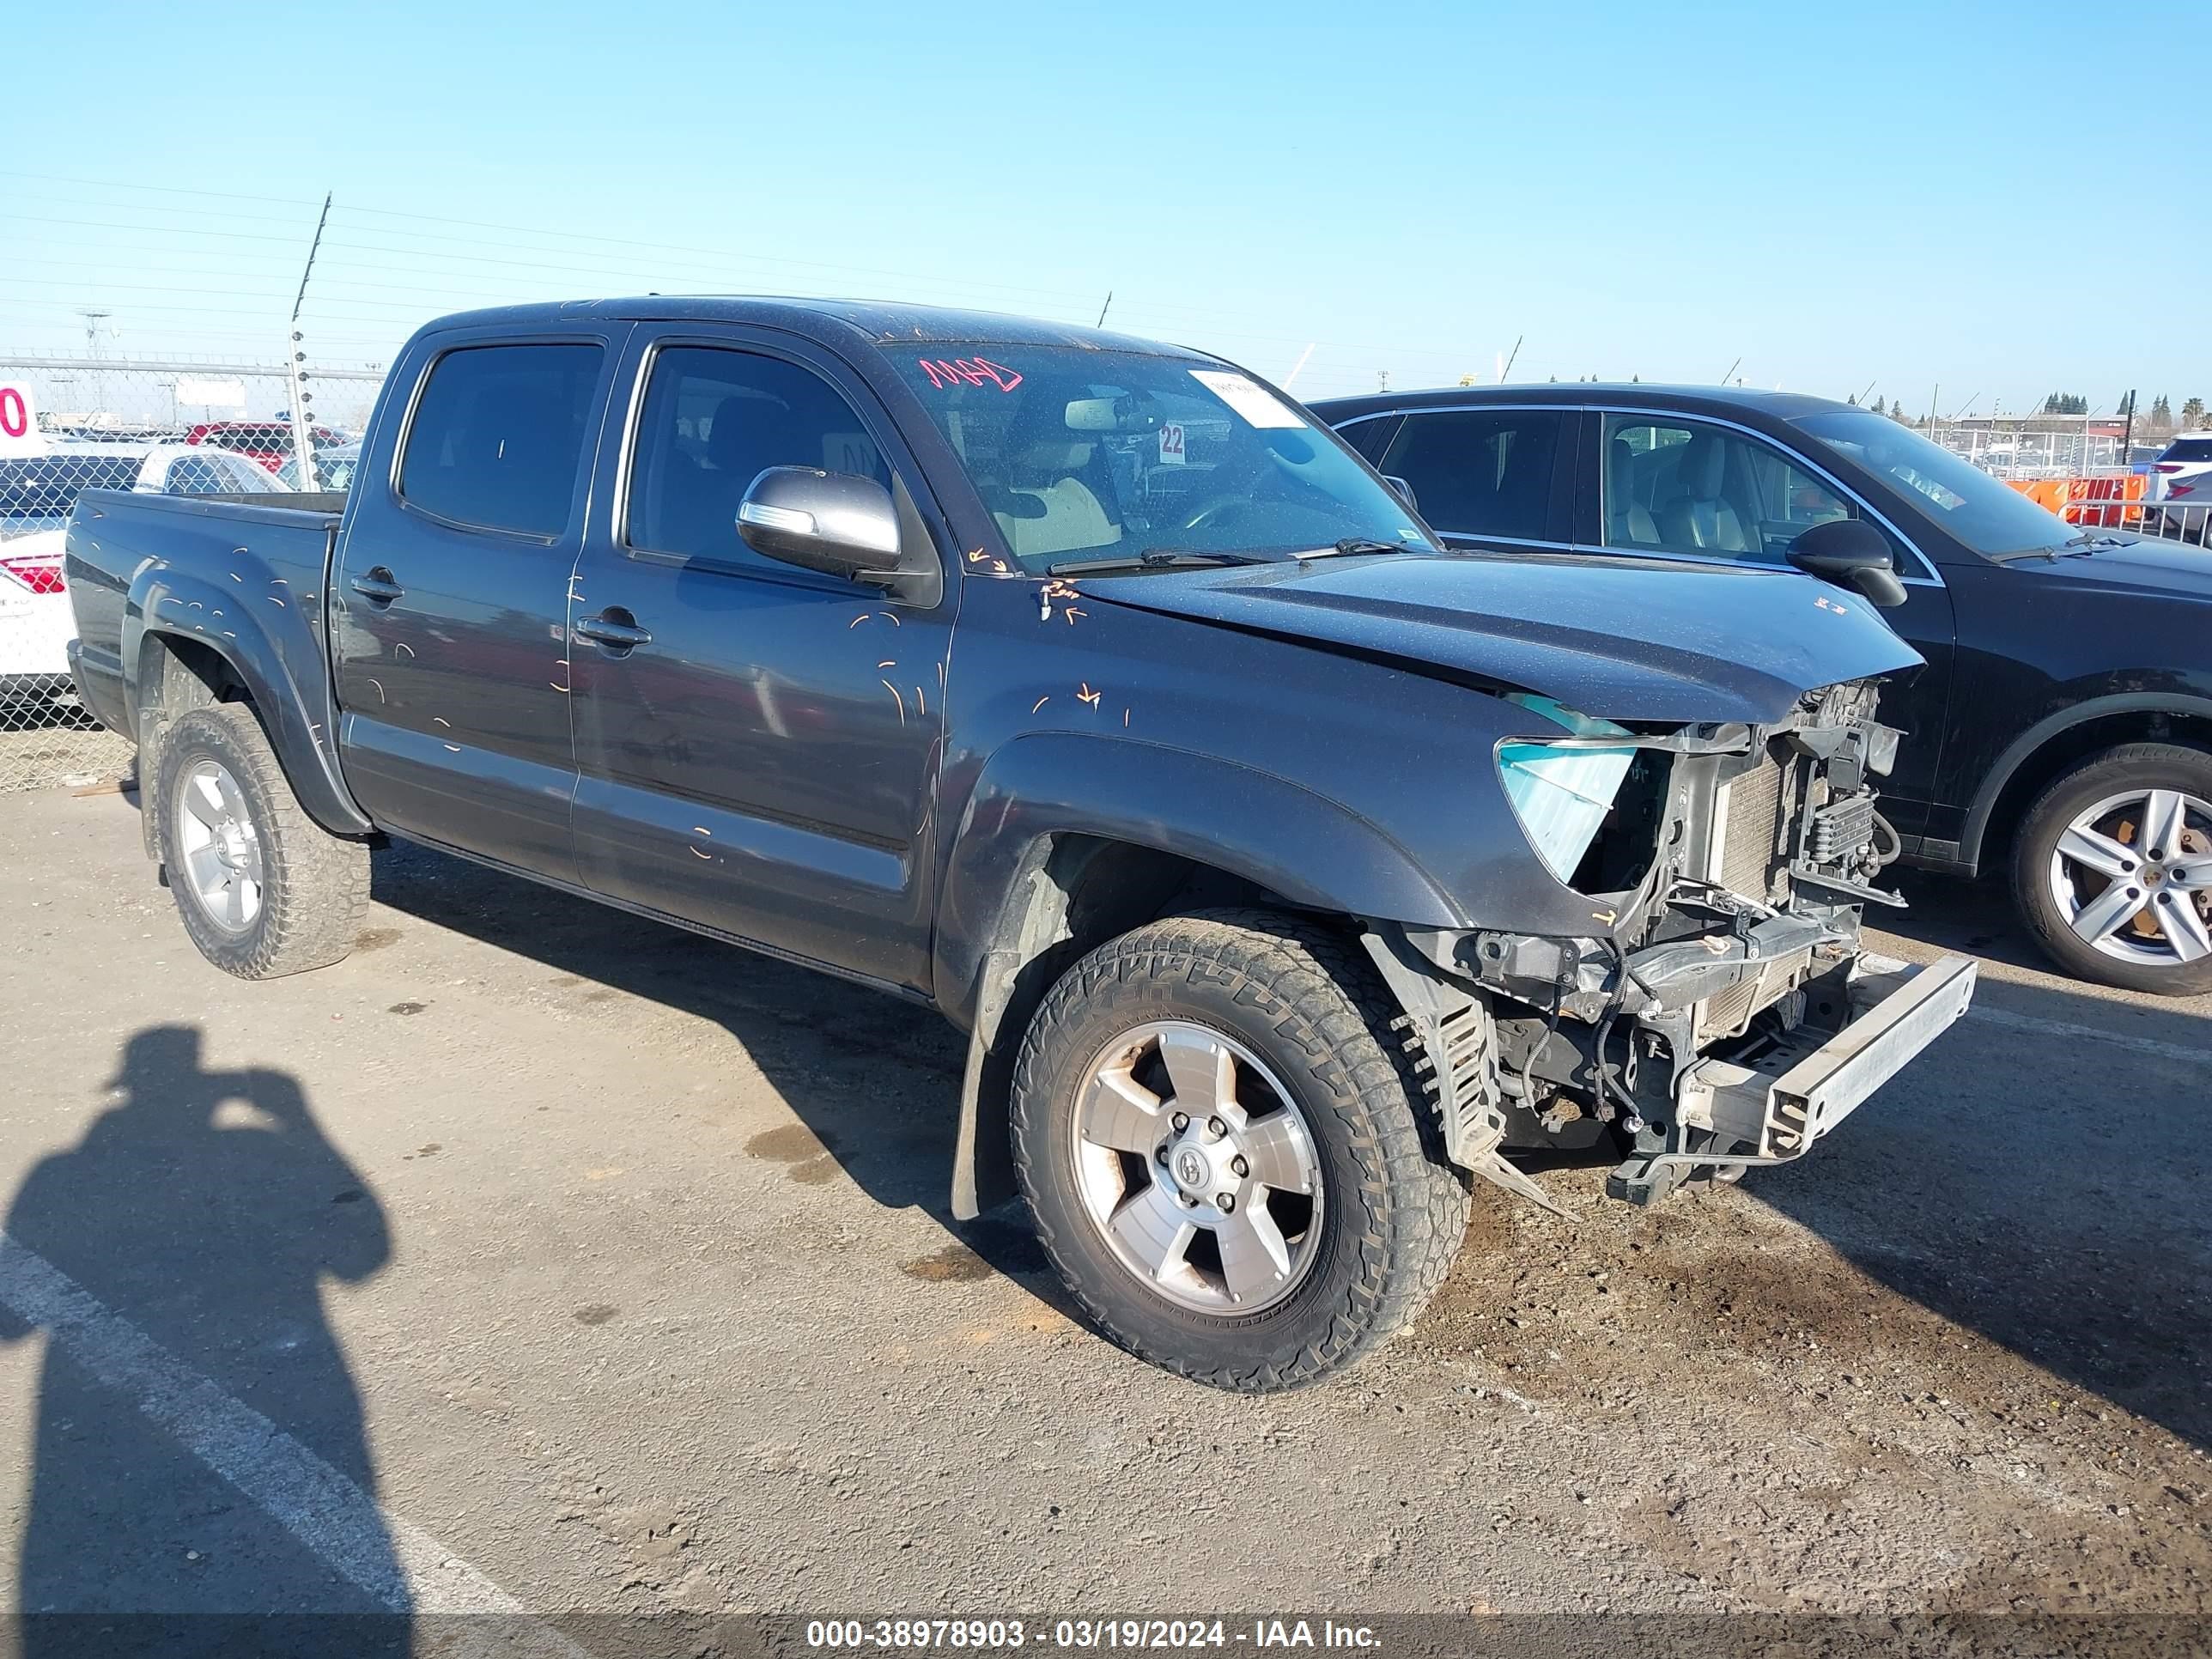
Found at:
[1259, 408]
[1171, 445]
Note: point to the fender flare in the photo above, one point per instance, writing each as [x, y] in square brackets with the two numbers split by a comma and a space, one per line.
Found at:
[169, 604]
[2023, 748]
[1313, 851]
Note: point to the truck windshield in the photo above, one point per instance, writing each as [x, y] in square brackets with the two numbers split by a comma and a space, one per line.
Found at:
[1109, 454]
[1984, 512]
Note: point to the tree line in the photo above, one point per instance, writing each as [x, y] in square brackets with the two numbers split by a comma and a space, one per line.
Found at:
[2158, 417]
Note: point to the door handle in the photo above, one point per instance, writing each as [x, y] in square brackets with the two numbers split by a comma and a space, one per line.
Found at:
[614, 627]
[376, 586]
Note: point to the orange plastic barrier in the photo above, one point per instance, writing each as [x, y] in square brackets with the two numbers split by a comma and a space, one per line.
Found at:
[2048, 493]
[2106, 503]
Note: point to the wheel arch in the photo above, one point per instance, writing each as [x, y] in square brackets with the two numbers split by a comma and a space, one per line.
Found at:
[1067, 841]
[2060, 741]
[173, 669]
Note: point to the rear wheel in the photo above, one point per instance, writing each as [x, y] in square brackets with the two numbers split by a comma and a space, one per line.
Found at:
[2113, 869]
[1227, 1159]
[263, 889]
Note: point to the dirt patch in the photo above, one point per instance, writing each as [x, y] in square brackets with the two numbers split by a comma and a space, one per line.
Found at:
[374, 938]
[790, 1144]
[956, 1264]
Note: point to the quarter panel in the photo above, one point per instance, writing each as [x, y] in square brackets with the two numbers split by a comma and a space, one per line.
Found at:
[2044, 646]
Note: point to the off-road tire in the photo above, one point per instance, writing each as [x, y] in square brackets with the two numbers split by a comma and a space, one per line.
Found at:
[1310, 1004]
[2134, 765]
[315, 884]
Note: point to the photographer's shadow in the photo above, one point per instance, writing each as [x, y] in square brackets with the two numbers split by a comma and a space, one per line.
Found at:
[201, 1211]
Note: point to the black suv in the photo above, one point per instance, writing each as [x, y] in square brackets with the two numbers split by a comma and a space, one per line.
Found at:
[2064, 719]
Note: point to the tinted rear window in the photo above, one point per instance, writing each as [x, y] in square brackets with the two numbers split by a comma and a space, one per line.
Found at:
[2189, 449]
[499, 434]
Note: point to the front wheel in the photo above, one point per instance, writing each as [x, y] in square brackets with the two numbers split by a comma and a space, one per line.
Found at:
[2113, 869]
[263, 890]
[1227, 1159]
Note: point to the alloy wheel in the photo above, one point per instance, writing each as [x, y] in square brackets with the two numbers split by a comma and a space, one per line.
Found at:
[2132, 876]
[1198, 1168]
[221, 850]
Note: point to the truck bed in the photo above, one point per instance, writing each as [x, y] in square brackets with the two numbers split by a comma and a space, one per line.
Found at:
[231, 568]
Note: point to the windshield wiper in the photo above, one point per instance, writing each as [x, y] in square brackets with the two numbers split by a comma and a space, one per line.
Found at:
[1154, 558]
[2080, 547]
[1355, 544]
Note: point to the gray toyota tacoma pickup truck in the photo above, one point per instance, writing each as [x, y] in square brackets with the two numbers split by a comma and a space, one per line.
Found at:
[1286, 872]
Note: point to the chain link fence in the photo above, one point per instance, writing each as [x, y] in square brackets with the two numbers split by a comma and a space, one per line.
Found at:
[2007, 451]
[180, 428]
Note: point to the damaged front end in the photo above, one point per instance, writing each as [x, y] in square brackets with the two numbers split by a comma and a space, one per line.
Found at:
[1721, 1012]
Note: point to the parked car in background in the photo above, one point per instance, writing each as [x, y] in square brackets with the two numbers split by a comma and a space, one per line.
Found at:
[2181, 477]
[2063, 722]
[267, 443]
[1085, 690]
[333, 468]
[36, 495]
[2183, 468]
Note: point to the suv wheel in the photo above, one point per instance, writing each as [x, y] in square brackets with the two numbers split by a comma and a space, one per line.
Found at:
[1227, 1157]
[263, 889]
[2113, 869]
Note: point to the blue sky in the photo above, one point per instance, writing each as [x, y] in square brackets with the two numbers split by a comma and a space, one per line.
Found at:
[1949, 192]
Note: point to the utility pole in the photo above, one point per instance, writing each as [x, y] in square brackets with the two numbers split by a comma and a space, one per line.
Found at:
[2128, 432]
[1382, 379]
[93, 320]
[303, 425]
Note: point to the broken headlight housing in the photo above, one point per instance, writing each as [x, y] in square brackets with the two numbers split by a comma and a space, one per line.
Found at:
[1560, 792]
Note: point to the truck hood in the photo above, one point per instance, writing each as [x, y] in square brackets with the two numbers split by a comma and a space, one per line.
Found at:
[1623, 639]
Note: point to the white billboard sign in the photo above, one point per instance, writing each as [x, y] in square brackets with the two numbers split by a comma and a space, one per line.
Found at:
[211, 394]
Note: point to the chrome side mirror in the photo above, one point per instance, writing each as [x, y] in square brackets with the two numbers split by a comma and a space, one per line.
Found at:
[838, 523]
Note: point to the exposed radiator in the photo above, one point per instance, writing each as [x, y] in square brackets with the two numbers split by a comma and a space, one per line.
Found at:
[1754, 807]
[1752, 831]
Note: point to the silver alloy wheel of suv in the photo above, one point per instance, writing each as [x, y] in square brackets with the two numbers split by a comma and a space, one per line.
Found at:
[2132, 875]
[1194, 1163]
[2112, 868]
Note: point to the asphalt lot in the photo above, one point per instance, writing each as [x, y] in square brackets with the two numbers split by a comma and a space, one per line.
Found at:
[616, 1266]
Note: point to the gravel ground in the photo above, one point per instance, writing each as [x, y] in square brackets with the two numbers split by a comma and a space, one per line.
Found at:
[617, 1264]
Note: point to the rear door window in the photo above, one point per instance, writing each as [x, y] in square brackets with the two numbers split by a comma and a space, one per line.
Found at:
[498, 436]
[1479, 472]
